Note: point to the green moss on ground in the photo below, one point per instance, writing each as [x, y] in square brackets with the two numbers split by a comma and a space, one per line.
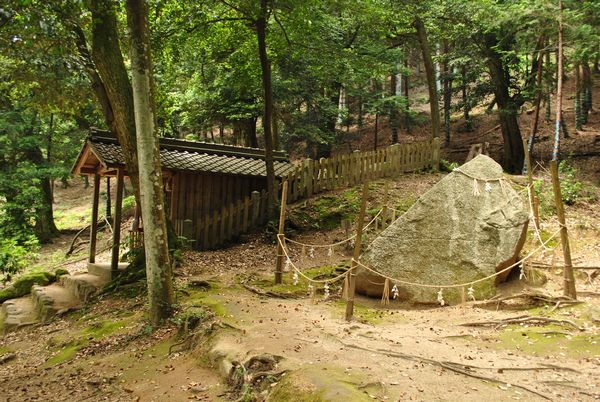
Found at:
[68, 349]
[327, 211]
[319, 384]
[4, 350]
[287, 286]
[368, 314]
[548, 340]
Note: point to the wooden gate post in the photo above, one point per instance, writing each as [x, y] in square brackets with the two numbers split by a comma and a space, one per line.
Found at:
[568, 276]
[114, 264]
[385, 212]
[357, 246]
[94, 224]
[280, 254]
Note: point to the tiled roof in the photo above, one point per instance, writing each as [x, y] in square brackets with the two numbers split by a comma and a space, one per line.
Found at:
[192, 156]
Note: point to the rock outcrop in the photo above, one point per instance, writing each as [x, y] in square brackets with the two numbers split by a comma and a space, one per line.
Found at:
[471, 224]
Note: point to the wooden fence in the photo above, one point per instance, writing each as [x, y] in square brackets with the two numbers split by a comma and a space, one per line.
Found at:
[310, 177]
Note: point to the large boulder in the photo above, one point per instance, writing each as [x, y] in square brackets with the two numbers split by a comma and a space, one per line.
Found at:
[469, 225]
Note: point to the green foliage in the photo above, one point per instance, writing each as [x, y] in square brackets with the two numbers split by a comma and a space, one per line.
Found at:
[570, 187]
[16, 256]
[446, 166]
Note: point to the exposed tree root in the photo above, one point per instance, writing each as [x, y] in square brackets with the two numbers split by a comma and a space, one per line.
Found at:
[452, 366]
[523, 319]
[269, 293]
[255, 375]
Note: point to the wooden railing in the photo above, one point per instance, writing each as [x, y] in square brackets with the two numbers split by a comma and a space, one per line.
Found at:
[306, 179]
[341, 171]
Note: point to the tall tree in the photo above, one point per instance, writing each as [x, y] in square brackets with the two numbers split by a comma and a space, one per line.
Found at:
[430, 72]
[158, 264]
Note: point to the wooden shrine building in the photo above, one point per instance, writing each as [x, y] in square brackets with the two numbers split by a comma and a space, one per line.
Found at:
[200, 179]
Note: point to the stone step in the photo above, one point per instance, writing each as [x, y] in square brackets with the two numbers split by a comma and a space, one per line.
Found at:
[51, 300]
[103, 269]
[16, 313]
[82, 286]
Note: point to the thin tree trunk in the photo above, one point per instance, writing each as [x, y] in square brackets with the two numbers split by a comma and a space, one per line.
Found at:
[514, 152]
[158, 264]
[394, 110]
[107, 57]
[538, 101]
[376, 134]
[559, 85]
[447, 81]
[265, 65]
[431, 81]
[578, 110]
[587, 82]
[406, 89]
[465, 99]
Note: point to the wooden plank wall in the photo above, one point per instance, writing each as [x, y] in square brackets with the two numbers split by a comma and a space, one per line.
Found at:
[212, 209]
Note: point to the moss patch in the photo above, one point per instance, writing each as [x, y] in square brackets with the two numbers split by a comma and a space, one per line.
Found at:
[548, 340]
[319, 383]
[368, 314]
[326, 212]
[22, 285]
[68, 349]
[287, 286]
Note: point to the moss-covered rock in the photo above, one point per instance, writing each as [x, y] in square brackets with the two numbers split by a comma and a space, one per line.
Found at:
[22, 285]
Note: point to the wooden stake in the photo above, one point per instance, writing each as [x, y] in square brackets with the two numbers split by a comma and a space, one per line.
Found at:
[114, 265]
[357, 245]
[568, 276]
[280, 255]
[536, 219]
[94, 224]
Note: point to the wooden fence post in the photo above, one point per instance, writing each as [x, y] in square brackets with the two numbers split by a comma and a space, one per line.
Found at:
[568, 276]
[280, 254]
[357, 246]
[309, 176]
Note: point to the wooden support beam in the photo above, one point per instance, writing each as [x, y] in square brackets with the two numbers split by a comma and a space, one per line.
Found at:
[357, 247]
[568, 276]
[94, 224]
[281, 231]
[114, 264]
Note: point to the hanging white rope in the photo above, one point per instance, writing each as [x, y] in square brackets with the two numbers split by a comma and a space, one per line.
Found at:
[440, 298]
[295, 278]
[326, 291]
[395, 292]
[471, 293]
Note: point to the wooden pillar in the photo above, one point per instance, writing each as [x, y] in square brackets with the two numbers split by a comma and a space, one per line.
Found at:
[568, 276]
[114, 263]
[357, 245]
[94, 224]
[280, 254]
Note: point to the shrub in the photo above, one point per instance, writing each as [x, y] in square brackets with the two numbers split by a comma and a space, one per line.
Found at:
[22, 285]
[15, 255]
[570, 187]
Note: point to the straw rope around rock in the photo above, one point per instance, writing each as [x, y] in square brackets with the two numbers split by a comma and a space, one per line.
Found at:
[281, 240]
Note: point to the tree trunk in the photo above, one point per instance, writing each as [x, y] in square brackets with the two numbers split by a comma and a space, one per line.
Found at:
[158, 264]
[107, 57]
[549, 80]
[447, 81]
[538, 101]
[265, 65]
[394, 110]
[406, 89]
[376, 134]
[508, 107]
[559, 85]
[44, 228]
[465, 99]
[430, 72]
[578, 111]
[587, 90]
